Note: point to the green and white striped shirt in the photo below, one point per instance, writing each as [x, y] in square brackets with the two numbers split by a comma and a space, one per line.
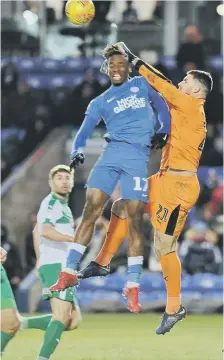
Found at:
[56, 212]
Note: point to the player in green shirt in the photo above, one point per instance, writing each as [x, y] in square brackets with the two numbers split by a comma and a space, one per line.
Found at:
[11, 320]
[52, 236]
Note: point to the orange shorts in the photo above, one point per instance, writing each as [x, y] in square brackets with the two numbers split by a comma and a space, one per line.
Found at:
[171, 197]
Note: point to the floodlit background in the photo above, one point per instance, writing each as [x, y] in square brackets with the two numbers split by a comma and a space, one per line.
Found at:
[50, 72]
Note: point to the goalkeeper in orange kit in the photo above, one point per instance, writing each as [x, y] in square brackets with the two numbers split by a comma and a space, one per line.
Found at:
[174, 190]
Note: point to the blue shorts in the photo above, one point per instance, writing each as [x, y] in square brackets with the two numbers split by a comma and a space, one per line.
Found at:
[124, 163]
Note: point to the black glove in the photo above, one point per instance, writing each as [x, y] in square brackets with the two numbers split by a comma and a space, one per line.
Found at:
[131, 56]
[158, 141]
[76, 159]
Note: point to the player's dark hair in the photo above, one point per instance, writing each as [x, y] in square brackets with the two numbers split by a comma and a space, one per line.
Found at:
[204, 78]
[111, 50]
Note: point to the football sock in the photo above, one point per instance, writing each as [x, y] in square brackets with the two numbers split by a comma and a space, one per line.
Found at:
[171, 267]
[134, 270]
[36, 322]
[75, 254]
[51, 338]
[5, 338]
[117, 231]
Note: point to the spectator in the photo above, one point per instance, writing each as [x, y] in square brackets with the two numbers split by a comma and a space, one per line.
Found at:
[82, 95]
[13, 264]
[212, 154]
[9, 79]
[199, 252]
[191, 55]
[5, 168]
[208, 187]
[35, 133]
[23, 110]
[102, 8]
[60, 112]
[158, 11]
[130, 14]
[214, 207]
[10, 152]
[162, 68]
[214, 103]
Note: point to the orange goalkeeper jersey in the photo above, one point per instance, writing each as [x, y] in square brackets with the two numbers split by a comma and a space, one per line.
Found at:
[188, 124]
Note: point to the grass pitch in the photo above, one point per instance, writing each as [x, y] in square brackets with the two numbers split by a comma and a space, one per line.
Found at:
[128, 337]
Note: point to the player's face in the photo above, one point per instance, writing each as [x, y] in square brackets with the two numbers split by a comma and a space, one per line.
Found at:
[118, 69]
[189, 85]
[61, 183]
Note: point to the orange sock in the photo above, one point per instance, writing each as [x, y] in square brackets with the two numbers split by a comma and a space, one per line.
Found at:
[117, 231]
[171, 267]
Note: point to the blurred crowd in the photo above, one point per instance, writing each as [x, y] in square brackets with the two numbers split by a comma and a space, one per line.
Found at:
[28, 115]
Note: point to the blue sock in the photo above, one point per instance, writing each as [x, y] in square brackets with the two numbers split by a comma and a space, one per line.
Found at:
[74, 256]
[135, 269]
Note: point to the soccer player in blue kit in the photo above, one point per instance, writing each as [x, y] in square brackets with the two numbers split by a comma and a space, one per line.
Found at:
[130, 109]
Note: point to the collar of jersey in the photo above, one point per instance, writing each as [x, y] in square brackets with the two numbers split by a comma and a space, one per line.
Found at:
[55, 196]
[116, 88]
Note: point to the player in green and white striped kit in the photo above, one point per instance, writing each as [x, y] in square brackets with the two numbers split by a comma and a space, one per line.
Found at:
[11, 320]
[55, 231]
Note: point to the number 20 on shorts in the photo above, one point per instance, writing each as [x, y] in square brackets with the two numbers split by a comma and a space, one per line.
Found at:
[141, 184]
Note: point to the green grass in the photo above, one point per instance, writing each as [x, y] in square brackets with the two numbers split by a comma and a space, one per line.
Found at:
[128, 337]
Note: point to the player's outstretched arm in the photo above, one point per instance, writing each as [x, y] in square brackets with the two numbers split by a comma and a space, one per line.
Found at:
[156, 79]
[93, 116]
[159, 140]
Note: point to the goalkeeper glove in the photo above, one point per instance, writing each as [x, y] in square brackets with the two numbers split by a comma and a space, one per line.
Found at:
[121, 45]
[158, 141]
[76, 158]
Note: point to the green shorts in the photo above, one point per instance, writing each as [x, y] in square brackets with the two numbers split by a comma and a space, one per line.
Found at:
[7, 297]
[49, 275]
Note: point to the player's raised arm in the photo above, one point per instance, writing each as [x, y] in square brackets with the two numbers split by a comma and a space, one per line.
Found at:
[160, 106]
[157, 80]
[92, 118]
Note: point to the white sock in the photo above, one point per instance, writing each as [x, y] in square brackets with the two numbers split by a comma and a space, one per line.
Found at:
[131, 284]
[78, 247]
[23, 321]
[135, 260]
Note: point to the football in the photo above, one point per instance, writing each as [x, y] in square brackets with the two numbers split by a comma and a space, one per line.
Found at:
[80, 12]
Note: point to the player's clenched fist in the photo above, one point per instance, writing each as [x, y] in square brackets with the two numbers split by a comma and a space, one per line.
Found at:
[3, 255]
[76, 158]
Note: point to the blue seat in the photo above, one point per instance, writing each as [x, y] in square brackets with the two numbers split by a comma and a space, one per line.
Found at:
[152, 281]
[207, 282]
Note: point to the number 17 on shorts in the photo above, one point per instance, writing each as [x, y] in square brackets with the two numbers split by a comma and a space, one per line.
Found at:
[141, 186]
[134, 188]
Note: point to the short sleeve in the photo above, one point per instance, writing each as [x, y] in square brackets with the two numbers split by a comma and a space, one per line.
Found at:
[52, 212]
